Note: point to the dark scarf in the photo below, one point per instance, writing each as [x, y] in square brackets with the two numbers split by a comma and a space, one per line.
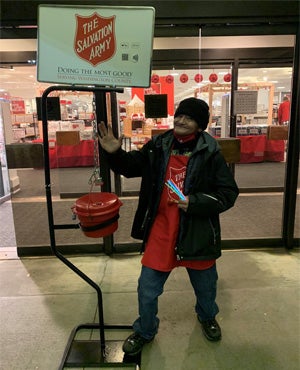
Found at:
[185, 144]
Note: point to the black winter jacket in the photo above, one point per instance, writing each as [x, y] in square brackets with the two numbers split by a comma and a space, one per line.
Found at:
[209, 184]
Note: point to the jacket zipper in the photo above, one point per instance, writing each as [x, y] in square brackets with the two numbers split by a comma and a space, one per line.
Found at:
[213, 230]
[178, 257]
[145, 219]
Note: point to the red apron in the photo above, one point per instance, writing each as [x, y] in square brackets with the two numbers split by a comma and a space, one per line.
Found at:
[160, 248]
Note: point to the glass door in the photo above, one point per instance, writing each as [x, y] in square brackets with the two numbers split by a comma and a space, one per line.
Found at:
[260, 173]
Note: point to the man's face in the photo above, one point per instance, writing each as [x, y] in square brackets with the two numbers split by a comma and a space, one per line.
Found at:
[185, 125]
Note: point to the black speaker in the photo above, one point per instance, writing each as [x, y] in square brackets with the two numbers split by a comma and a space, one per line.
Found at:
[156, 105]
[53, 108]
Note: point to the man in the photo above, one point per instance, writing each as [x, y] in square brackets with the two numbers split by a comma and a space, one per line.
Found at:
[176, 232]
[284, 111]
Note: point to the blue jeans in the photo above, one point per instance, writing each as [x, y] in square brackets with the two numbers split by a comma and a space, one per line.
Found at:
[150, 287]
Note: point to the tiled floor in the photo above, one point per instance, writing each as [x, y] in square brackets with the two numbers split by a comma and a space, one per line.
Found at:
[8, 245]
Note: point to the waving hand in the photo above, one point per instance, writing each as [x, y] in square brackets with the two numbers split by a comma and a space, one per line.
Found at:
[107, 140]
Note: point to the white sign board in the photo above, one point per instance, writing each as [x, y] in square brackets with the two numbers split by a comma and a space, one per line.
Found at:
[245, 102]
[95, 45]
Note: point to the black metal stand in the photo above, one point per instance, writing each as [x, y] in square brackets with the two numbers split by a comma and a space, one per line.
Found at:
[89, 353]
[84, 353]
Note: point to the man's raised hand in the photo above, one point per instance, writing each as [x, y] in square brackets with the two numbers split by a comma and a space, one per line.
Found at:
[107, 140]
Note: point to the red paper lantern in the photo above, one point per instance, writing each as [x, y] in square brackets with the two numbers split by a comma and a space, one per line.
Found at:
[198, 78]
[184, 78]
[155, 79]
[227, 77]
[213, 77]
[169, 79]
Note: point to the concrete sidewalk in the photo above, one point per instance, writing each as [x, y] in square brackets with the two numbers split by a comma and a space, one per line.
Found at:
[42, 300]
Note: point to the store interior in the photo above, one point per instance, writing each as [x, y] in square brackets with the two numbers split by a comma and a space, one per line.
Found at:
[260, 172]
[20, 81]
[19, 85]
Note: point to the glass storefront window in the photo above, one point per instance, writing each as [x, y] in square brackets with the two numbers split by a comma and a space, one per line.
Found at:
[271, 85]
[252, 176]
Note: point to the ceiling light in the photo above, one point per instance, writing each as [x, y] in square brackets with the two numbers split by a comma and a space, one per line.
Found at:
[29, 26]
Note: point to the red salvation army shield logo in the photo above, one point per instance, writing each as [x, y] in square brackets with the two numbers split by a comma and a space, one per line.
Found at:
[95, 38]
[177, 175]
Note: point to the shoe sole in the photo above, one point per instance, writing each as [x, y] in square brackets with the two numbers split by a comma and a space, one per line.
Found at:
[132, 353]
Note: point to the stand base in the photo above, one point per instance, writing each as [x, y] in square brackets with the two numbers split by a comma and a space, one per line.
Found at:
[90, 353]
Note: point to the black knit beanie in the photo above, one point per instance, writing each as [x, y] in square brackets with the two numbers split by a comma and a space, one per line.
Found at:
[196, 109]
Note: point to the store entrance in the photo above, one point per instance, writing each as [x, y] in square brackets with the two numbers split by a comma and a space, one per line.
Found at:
[261, 171]
[255, 221]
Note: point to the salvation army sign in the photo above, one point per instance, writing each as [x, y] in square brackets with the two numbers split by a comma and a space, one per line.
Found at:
[95, 38]
[90, 45]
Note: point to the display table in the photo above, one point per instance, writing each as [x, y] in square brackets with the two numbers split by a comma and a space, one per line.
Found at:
[80, 155]
[258, 148]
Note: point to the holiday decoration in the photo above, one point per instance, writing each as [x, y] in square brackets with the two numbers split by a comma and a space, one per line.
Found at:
[213, 77]
[198, 78]
[155, 79]
[184, 78]
[169, 79]
[227, 77]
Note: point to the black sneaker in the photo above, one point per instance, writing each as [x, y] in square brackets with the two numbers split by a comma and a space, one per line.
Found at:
[211, 329]
[134, 344]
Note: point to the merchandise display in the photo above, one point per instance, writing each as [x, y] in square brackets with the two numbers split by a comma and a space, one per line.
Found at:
[260, 149]
[256, 145]
[138, 127]
[80, 155]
